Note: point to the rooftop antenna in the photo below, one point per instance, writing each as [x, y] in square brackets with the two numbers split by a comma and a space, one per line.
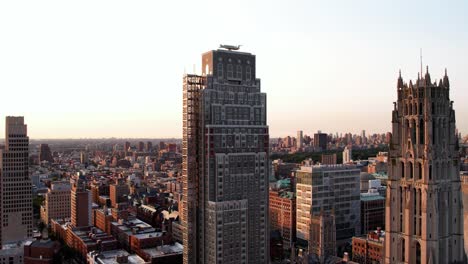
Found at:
[420, 56]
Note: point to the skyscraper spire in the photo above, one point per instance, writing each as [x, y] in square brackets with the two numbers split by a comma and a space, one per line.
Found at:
[421, 61]
[400, 80]
[427, 77]
[446, 82]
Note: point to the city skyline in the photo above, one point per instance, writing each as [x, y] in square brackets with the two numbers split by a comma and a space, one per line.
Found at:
[110, 70]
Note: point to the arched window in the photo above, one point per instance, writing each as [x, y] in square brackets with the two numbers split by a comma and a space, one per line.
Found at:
[402, 169]
[420, 171]
[421, 111]
[402, 252]
[239, 72]
[421, 132]
[220, 70]
[411, 170]
[402, 204]
[401, 199]
[418, 253]
[230, 71]
[248, 74]
[415, 211]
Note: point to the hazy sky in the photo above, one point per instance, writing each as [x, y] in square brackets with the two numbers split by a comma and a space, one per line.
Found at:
[114, 68]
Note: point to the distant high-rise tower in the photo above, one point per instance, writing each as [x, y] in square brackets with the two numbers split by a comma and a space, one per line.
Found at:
[225, 162]
[141, 146]
[80, 203]
[321, 140]
[45, 154]
[300, 139]
[148, 146]
[16, 186]
[347, 154]
[424, 210]
[126, 146]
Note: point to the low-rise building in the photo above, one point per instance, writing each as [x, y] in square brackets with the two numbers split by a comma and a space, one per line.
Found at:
[118, 256]
[372, 211]
[165, 254]
[41, 252]
[369, 249]
[57, 202]
[283, 215]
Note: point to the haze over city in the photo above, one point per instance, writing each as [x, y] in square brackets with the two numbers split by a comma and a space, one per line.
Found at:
[114, 68]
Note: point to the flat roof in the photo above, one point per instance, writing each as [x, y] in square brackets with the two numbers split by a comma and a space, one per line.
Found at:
[174, 249]
[110, 257]
[148, 235]
[367, 198]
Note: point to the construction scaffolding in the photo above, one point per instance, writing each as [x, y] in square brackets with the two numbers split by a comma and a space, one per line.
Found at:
[193, 85]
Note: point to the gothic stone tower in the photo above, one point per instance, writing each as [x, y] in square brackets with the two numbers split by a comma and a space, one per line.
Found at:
[424, 210]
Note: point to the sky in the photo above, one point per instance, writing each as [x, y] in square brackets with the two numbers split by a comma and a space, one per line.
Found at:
[92, 69]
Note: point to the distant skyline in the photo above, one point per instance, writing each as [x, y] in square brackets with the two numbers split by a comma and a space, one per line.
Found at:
[101, 69]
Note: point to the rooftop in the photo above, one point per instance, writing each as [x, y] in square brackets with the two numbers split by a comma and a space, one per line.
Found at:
[148, 235]
[110, 257]
[174, 249]
[366, 197]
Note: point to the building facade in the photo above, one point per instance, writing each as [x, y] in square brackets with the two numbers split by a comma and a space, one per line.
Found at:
[347, 155]
[118, 192]
[321, 140]
[322, 242]
[329, 189]
[372, 212]
[369, 249]
[328, 159]
[16, 212]
[283, 215]
[424, 209]
[80, 204]
[225, 162]
[299, 140]
[57, 202]
[45, 154]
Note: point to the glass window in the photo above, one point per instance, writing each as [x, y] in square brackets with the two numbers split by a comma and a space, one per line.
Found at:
[248, 73]
[220, 70]
[230, 71]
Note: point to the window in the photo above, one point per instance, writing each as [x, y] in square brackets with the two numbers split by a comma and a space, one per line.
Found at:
[418, 253]
[230, 71]
[402, 257]
[411, 170]
[430, 172]
[420, 171]
[239, 72]
[248, 73]
[220, 70]
[421, 131]
[402, 169]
